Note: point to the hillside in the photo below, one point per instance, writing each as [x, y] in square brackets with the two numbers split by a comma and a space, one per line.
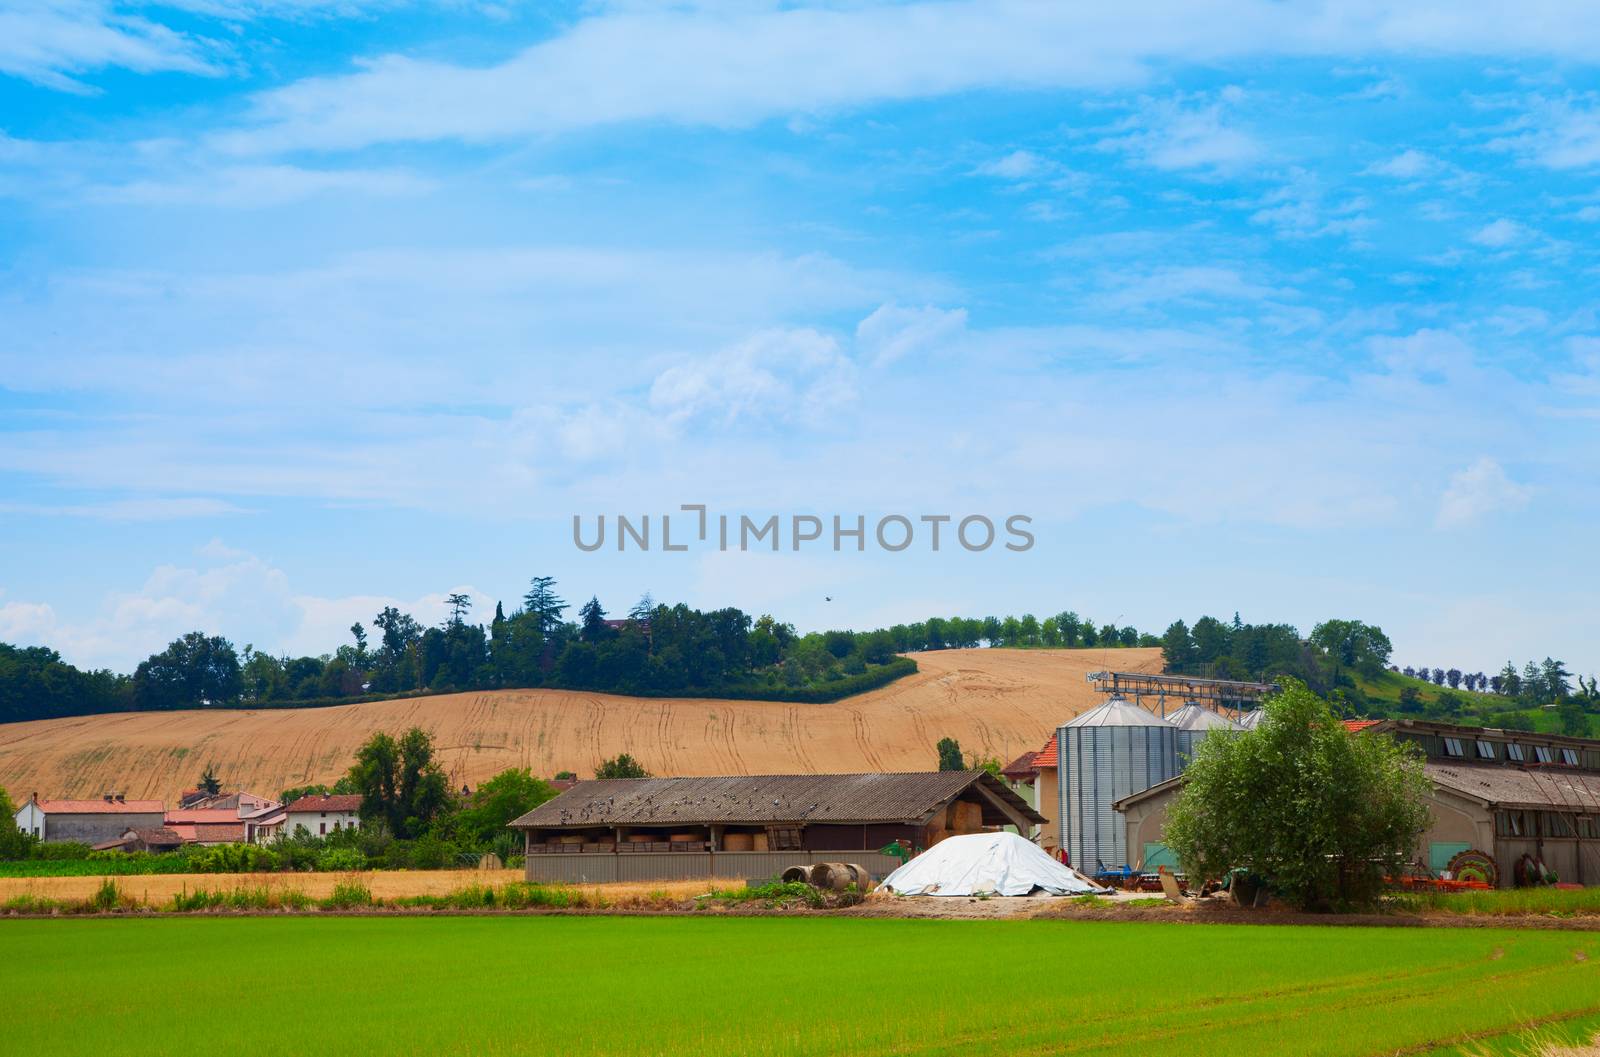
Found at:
[995, 702]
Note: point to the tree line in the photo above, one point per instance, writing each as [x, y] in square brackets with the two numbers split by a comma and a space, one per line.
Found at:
[654, 649]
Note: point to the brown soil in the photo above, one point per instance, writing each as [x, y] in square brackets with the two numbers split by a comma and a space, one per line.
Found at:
[995, 702]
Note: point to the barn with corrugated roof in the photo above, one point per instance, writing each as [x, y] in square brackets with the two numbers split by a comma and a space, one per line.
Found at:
[753, 826]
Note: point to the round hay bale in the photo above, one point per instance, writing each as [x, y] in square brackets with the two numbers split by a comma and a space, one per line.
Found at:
[569, 838]
[641, 838]
[760, 840]
[802, 874]
[491, 861]
[738, 842]
[685, 838]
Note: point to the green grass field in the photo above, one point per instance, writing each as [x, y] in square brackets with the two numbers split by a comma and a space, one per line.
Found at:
[705, 986]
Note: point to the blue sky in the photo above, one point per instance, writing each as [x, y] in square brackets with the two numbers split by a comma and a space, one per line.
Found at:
[1284, 308]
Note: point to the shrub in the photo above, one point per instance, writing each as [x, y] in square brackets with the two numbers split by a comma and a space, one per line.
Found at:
[341, 860]
[233, 858]
[348, 894]
[58, 851]
[107, 897]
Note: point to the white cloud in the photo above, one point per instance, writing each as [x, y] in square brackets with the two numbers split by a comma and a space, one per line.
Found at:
[1498, 234]
[1193, 286]
[1169, 135]
[893, 331]
[1407, 165]
[148, 509]
[1018, 165]
[795, 375]
[47, 41]
[1478, 490]
[263, 186]
[1557, 133]
[735, 66]
[230, 593]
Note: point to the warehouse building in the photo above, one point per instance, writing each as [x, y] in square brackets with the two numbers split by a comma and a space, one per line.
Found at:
[754, 826]
[87, 821]
[1516, 796]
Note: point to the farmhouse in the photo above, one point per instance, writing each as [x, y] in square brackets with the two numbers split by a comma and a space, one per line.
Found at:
[87, 821]
[756, 825]
[1515, 796]
[320, 815]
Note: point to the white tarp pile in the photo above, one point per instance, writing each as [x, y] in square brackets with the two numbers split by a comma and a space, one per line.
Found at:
[985, 864]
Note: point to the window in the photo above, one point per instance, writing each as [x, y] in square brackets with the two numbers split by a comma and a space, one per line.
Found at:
[1510, 824]
[1555, 824]
[1485, 749]
[1588, 827]
[1569, 757]
[1541, 753]
[324, 827]
[1513, 751]
[1452, 747]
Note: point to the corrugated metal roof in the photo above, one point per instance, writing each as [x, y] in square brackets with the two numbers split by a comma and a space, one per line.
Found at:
[1515, 787]
[1198, 717]
[759, 799]
[1118, 712]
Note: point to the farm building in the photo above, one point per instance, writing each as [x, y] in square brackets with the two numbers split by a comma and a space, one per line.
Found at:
[1505, 793]
[1138, 736]
[87, 821]
[751, 826]
[320, 815]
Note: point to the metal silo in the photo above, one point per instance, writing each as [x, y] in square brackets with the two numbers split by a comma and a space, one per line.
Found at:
[1110, 752]
[1194, 721]
[1250, 720]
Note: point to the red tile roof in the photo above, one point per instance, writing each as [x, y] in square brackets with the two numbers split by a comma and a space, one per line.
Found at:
[203, 816]
[219, 834]
[336, 802]
[1020, 768]
[102, 807]
[1046, 757]
[1355, 725]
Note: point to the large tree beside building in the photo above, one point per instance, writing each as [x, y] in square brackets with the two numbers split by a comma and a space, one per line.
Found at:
[400, 782]
[1321, 813]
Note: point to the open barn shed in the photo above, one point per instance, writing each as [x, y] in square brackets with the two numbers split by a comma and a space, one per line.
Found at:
[753, 826]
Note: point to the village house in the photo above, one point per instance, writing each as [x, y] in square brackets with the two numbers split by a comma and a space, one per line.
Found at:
[322, 814]
[87, 821]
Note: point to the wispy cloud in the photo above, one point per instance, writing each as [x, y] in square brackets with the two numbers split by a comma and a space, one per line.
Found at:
[50, 41]
[1477, 491]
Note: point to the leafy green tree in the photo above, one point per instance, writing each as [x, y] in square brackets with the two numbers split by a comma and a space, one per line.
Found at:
[950, 758]
[399, 781]
[1354, 645]
[1324, 814]
[195, 671]
[14, 844]
[1177, 647]
[1574, 720]
[209, 783]
[508, 795]
[345, 786]
[620, 766]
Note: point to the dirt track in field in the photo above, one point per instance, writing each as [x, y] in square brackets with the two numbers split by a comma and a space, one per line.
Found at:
[996, 702]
